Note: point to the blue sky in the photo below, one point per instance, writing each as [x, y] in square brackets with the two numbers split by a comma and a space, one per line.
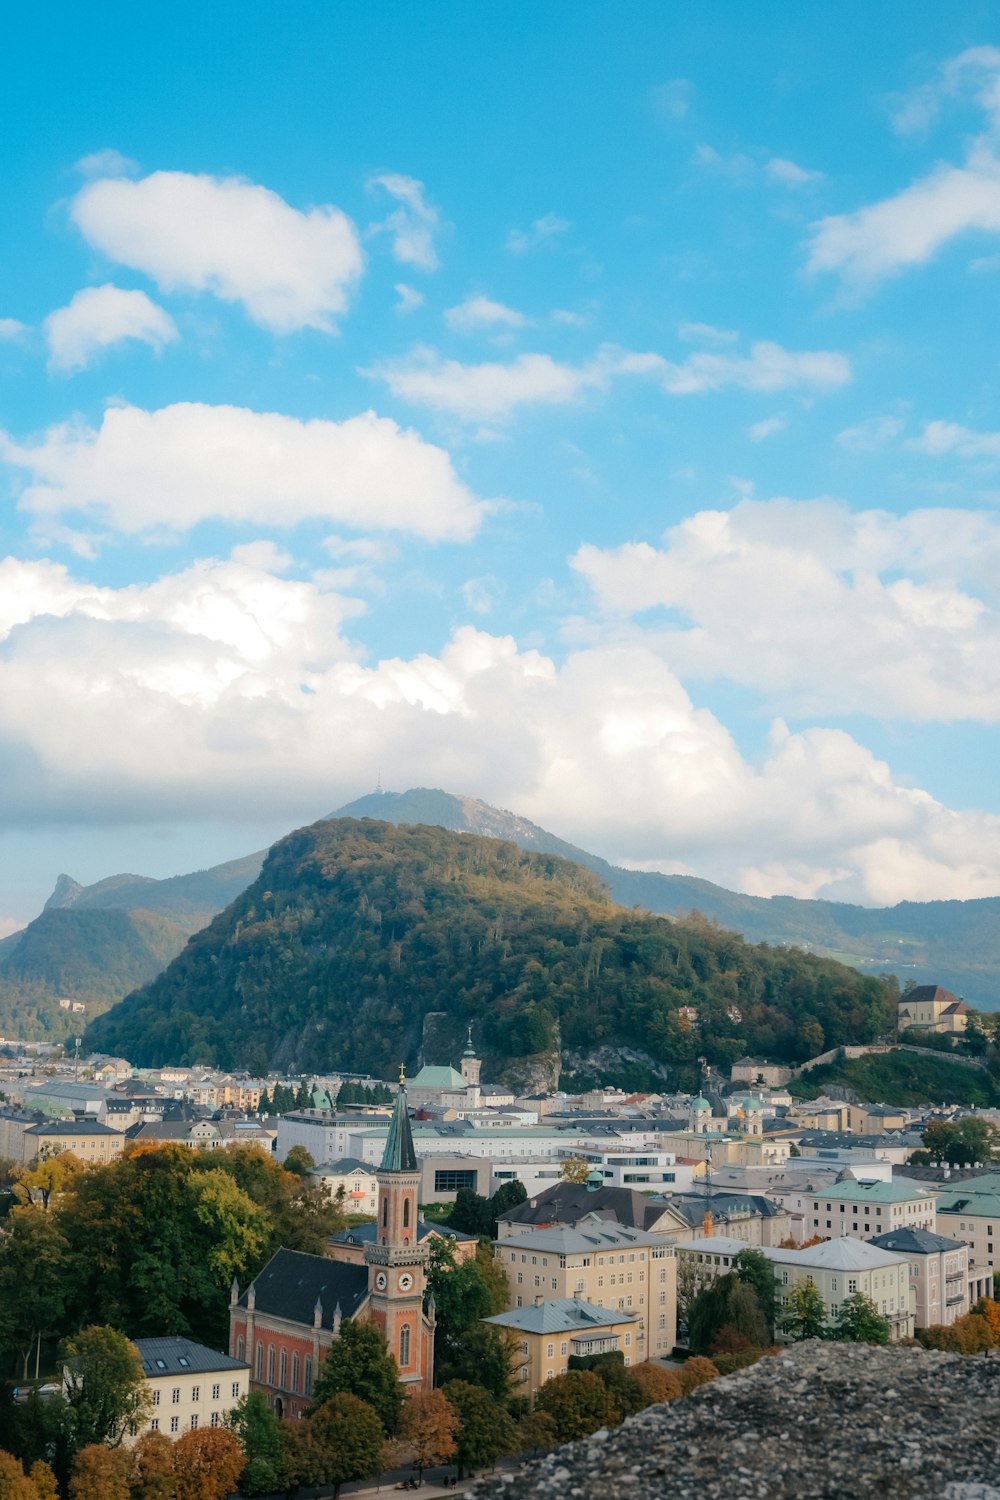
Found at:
[592, 409]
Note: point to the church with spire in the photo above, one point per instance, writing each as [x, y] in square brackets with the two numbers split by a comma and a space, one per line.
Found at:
[287, 1318]
[397, 1256]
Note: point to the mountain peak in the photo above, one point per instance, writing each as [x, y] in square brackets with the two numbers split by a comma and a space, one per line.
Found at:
[65, 894]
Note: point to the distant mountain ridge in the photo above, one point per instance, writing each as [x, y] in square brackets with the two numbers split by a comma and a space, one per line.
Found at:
[954, 943]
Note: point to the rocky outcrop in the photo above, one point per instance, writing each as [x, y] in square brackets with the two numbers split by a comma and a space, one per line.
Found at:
[819, 1422]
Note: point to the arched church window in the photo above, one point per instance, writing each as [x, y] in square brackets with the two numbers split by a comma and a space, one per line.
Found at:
[404, 1346]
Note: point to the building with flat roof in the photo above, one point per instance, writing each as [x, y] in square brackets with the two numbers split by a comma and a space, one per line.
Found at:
[547, 1334]
[971, 1213]
[869, 1207]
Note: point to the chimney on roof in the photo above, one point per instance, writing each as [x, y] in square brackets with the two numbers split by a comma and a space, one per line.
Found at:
[539, 1300]
[707, 1224]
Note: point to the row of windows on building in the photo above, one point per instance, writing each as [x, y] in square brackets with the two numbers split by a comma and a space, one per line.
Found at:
[194, 1394]
[175, 1422]
[599, 1260]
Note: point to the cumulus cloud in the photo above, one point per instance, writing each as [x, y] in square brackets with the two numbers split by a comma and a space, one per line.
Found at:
[11, 330]
[476, 313]
[939, 438]
[97, 318]
[493, 391]
[228, 689]
[821, 610]
[166, 470]
[541, 233]
[412, 225]
[908, 229]
[232, 238]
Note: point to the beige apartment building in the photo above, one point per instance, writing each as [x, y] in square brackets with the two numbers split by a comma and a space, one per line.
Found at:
[866, 1208]
[545, 1336]
[837, 1268]
[970, 1211]
[93, 1143]
[944, 1286]
[610, 1265]
[191, 1386]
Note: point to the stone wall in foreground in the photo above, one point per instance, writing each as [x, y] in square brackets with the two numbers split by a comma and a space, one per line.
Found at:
[841, 1422]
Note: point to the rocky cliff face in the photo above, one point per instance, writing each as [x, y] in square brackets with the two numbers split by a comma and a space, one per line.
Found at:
[820, 1422]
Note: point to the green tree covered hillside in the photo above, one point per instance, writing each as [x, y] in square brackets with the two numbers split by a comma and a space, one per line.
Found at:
[355, 930]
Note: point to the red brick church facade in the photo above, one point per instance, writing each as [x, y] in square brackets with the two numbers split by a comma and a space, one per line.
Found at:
[288, 1317]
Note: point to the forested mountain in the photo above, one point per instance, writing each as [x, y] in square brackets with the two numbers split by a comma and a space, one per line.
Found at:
[356, 930]
[93, 944]
[954, 943]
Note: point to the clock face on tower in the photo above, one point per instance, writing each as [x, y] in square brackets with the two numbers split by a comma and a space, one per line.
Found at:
[380, 1281]
[405, 1282]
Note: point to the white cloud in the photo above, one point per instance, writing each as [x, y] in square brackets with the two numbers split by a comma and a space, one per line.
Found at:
[480, 594]
[789, 174]
[409, 298]
[11, 331]
[495, 390]
[166, 470]
[476, 313]
[225, 689]
[766, 428]
[673, 99]
[706, 333]
[939, 438]
[542, 232]
[739, 168]
[241, 242]
[98, 317]
[871, 435]
[823, 611]
[106, 163]
[909, 228]
[768, 367]
[412, 225]
[563, 317]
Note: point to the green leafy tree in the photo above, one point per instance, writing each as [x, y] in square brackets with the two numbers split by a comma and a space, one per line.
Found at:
[259, 1434]
[508, 1195]
[626, 1395]
[578, 1403]
[574, 1169]
[858, 1321]
[105, 1388]
[471, 1213]
[349, 1433]
[485, 1431]
[34, 1267]
[482, 1355]
[727, 1302]
[804, 1312]
[536, 1430]
[756, 1270]
[299, 1161]
[359, 1364]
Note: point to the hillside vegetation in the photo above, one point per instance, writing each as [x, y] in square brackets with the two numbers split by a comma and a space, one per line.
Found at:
[94, 944]
[356, 930]
[903, 1078]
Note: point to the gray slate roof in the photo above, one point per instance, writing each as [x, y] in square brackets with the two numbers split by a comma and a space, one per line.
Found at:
[180, 1356]
[561, 1315]
[292, 1281]
[915, 1242]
